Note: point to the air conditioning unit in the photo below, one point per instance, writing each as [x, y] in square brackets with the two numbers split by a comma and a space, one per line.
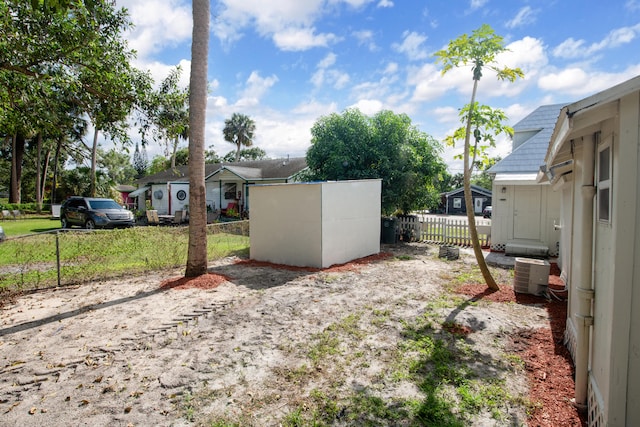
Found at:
[531, 276]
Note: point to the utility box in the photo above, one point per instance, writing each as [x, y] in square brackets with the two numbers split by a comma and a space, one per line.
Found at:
[531, 276]
[315, 224]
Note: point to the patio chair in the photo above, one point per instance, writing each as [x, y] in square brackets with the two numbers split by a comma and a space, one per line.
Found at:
[152, 217]
[16, 214]
[231, 206]
[178, 218]
[6, 214]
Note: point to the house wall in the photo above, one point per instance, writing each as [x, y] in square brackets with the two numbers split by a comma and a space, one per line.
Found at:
[525, 212]
[462, 210]
[175, 204]
[160, 204]
[316, 224]
[614, 367]
[624, 355]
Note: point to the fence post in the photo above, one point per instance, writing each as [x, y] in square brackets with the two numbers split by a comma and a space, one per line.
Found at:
[58, 256]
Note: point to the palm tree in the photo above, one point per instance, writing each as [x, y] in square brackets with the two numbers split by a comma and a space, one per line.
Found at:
[239, 130]
[197, 252]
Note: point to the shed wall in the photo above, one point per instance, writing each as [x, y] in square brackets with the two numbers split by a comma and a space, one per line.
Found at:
[285, 225]
[316, 224]
[350, 221]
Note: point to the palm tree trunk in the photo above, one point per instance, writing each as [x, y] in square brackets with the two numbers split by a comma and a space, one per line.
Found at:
[197, 252]
[17, 155]
[468, 199]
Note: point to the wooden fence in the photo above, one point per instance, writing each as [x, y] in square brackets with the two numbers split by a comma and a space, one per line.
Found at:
[442, 230]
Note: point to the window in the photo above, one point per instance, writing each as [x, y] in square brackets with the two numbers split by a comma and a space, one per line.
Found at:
[604, 181]
[457, 202]
[230, 191]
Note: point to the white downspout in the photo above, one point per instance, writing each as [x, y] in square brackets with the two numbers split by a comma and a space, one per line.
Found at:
[584, 288]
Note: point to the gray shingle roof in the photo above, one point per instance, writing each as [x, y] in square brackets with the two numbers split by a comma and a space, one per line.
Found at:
[250, 170]
[529, 155]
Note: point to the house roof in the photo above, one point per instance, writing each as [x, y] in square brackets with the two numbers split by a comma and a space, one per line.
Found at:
[268, 169]
[529, 155]
[573, 120]
[474, 188]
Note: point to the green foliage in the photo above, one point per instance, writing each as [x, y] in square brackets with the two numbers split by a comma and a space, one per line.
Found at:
[239, 130]
[253, 153]
[487, 123]
[479, 50]
[386, 146]
[140, 161]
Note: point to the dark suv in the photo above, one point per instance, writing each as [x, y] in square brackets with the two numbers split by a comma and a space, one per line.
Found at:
[90, 212]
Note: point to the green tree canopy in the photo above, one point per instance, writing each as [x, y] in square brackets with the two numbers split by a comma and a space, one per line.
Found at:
[387, 146]
[239, 130]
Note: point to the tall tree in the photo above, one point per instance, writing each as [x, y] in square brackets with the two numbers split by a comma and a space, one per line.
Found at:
[62, 53]
[166, 115]
[140, 161]
[239, 130]
[479, 50]
[197, 253]
[386, 146]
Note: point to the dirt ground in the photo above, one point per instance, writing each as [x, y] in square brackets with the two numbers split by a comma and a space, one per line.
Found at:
[238, 345]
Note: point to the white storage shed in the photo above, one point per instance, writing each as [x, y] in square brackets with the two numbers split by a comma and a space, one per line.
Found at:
[315, 224]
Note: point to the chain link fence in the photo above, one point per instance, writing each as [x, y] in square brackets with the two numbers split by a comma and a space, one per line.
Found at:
[66, 257]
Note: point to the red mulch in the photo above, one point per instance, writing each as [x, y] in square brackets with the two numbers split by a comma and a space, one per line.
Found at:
[210, 281]
[205, 281]
[349, 266]
[547, 361]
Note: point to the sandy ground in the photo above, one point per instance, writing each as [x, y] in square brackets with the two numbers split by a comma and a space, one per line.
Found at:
[130, 352]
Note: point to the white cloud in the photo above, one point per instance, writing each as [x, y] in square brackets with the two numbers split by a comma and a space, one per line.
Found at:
[578, 82]
[152, 18]
[477, 4]
[368, 106]
[298, 39]
[411, 45]
[392, 68]
[159, 71]
[385, 3]
[338, 79]
[328, 60]
[632, 5]
[288, 22]
[429, 84]
[525, 16]
[572, 48]
[365, 38]
[255, 89]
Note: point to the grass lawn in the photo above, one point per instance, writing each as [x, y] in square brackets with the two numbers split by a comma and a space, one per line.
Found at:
[24, 226]
[31, 261]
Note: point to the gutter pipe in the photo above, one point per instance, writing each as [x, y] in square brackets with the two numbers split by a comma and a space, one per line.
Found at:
[584, 286]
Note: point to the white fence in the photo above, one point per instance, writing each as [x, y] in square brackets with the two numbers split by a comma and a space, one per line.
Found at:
[442, 230]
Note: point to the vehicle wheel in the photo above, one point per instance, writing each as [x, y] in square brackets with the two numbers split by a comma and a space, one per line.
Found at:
[89, 225]
[64, 222]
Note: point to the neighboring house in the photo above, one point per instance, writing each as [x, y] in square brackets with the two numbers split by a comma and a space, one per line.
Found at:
[225, 183]
[454, 204]
[593, 161]
[124, 191]
[526, 212]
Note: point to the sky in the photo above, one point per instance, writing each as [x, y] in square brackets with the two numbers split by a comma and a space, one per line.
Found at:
[286, 63]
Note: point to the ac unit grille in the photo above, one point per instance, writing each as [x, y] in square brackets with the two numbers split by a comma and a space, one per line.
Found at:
[531, 276]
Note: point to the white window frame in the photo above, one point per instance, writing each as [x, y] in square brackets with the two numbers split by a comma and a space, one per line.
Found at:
[604, 181]
[457, 203]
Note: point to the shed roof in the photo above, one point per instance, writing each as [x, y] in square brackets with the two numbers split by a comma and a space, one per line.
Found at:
[528, 156]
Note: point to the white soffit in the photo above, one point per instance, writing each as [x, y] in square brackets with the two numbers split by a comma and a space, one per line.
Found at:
[516, 179]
